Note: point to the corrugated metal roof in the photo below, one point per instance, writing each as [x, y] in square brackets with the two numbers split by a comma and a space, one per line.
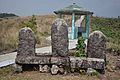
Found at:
[73, 8]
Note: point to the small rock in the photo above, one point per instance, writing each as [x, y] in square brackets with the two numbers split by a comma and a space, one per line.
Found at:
[91, 72]
[18, 68]
[44, 68]
[41, 68]
[54, 69]
[61, 70]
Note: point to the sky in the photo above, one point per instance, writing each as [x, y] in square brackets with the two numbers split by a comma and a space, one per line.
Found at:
[104, 8]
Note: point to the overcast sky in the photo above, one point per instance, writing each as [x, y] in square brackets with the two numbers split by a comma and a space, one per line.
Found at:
[107, 8]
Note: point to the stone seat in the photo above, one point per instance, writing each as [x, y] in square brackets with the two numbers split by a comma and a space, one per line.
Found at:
[95, 63]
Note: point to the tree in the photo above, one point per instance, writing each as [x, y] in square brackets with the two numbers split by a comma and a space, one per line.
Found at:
[31, 24]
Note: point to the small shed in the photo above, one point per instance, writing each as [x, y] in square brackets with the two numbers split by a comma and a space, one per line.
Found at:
[76, 10]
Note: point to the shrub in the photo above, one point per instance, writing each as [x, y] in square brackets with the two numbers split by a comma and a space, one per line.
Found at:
[31, 24]
[80, 52]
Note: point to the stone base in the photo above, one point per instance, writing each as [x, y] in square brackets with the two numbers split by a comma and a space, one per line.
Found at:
[33, 60]
[95, 63]
[61, 64]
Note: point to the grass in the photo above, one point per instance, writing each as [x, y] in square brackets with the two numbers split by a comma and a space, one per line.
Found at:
[9, 29]
[111, 28]
[9, 36]
[7, 73]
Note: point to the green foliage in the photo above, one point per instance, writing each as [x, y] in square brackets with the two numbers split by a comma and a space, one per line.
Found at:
[111, 28]
[80, 52]
[31, 24]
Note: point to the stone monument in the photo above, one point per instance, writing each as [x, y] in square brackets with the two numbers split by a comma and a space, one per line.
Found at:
[26, 46]
[59, 37]
[96, 47]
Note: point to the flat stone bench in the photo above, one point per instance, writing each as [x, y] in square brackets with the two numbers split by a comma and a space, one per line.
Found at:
[95, 63]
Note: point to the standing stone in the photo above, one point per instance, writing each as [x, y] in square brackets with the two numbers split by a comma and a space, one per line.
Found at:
[59, 36]
[96, 47]
[26, 46]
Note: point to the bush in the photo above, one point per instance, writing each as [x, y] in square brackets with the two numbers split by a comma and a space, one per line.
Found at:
[31, 24]
[80, 52]
[111, 28]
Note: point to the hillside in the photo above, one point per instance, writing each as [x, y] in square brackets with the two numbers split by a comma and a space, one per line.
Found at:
[9, 31]
[7, 15]
[111, 28]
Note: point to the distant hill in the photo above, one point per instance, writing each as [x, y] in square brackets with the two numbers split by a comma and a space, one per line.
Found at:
[6, 15]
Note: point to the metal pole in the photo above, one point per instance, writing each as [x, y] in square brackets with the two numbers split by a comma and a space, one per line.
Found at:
[87, 26]
[87, 23]
[73, 26]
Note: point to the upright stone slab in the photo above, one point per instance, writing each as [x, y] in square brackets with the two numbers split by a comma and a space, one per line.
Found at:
[26, 46]
[59, 36]
[96, 47]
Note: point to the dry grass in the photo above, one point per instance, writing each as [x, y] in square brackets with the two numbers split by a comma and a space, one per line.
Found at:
[9, 29]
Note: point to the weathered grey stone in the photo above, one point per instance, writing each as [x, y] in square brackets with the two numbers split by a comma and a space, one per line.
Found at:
[59, 37]
[96, 47]
[44, 68]
[18, 68]
[34, 60]
[26, 45]
[95, 63]
[61, 70]
[54, 69]
[64, 61]
[41, 68]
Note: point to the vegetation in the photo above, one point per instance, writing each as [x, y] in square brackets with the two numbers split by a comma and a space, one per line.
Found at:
[9, 29]
[111, 28]
[8, 40]
[30, 23]
[80, 48]
[5, 15]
